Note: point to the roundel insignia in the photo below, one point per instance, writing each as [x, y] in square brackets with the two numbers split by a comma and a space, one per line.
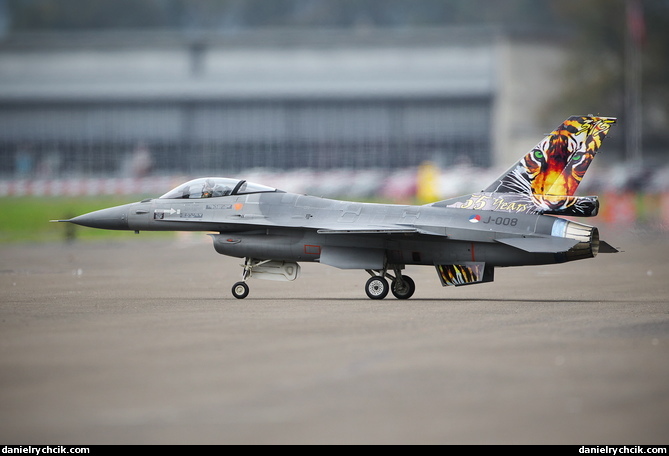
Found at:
[475, 218]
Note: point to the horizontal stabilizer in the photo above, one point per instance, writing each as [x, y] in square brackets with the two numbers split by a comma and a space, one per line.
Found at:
[540, 245]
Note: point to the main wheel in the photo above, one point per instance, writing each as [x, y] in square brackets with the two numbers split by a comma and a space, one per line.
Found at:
[377, 287]
[404, 290]
[240, 290]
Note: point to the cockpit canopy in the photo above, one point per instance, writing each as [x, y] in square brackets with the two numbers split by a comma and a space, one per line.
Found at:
[211, 187]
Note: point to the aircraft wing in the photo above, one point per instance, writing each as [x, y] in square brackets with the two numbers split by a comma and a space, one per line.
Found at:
[386, 230]
[369, 231]
[260, 221]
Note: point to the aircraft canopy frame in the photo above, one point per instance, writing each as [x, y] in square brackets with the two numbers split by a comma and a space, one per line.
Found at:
[212, 187]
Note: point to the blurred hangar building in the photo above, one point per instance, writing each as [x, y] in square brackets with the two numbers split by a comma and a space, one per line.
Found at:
[90, 104]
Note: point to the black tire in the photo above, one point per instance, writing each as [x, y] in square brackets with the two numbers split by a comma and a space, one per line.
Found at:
[377, 287]
[240, 290]
[404, 292]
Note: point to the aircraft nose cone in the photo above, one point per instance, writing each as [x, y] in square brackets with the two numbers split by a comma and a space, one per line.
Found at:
[113, 218]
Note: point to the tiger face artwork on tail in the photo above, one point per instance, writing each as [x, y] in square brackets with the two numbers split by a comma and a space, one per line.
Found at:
[550, 173]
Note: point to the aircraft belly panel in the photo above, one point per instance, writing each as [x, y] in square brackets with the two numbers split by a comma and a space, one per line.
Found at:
[352, 258]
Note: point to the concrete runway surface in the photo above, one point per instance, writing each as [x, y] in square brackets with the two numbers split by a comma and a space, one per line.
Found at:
[141, 342]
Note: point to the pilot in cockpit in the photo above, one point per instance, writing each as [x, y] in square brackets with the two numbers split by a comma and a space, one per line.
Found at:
[213, 189]
[208, 189]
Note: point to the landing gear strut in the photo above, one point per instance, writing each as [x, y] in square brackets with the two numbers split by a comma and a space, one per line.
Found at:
[240, 290]
[279, 270]
[402, 286]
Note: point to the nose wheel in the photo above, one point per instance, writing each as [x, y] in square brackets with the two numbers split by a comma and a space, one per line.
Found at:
[240, 290]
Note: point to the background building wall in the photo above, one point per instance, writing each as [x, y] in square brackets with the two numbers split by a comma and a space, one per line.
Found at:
[300, 100]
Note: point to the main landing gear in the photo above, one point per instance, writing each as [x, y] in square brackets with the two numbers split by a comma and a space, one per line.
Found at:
[377, 287]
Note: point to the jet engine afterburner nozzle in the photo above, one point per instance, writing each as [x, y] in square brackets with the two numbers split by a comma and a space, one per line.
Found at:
[588, 237]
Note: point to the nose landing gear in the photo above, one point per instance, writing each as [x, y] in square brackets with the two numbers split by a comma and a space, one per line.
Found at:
[278, 270]
[240, 290]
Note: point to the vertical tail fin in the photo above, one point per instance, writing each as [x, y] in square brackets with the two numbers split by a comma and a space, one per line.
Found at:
[545, 180]
[553, 169]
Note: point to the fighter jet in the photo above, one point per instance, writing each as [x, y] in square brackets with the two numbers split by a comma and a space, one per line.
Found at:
[512, 222]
